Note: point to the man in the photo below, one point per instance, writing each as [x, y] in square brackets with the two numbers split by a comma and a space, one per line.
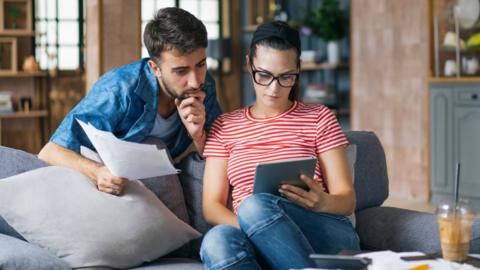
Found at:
[169, 95]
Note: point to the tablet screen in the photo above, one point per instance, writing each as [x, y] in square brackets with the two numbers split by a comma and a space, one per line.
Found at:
[269, 176]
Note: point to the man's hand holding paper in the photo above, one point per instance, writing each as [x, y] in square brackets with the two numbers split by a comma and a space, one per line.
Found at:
[125, 160]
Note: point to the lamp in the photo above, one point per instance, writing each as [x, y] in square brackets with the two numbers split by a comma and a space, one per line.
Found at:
[219, 50]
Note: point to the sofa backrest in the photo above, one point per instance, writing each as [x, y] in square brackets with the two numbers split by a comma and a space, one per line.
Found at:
[371, 178]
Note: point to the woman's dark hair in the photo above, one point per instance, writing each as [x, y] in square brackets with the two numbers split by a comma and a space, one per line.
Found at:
[278, 43]
[174, 28]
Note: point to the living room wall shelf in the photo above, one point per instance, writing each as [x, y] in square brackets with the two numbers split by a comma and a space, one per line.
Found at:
[21, 74]
[475, 79]
[322, 66]
[30, 114]
[18, 34]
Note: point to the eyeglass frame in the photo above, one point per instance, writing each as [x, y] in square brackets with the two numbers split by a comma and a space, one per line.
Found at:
[277, 78]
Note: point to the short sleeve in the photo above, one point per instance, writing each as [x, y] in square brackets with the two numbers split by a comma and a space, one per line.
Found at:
[215, 145]
[329, 133]
[101, 107]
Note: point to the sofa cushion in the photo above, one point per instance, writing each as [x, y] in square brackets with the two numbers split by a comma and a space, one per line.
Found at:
[17, 254]
[61, 210]
[371, 178]
[191, 178]
[172, 264]
[15, 161]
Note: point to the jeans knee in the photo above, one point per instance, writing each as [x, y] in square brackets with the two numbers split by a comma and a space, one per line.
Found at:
[257, 210]
[224, 245]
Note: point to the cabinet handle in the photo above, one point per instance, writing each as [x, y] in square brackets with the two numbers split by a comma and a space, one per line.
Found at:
[474, 96]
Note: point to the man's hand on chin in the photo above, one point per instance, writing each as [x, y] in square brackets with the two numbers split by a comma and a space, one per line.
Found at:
[192, 113]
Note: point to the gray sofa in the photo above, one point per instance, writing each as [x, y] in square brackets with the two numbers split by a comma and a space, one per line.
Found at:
[379, 228]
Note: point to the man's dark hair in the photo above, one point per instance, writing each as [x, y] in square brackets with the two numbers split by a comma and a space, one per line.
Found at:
[174, 28]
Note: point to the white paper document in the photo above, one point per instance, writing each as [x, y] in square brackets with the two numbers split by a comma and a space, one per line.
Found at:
[127, 159]
[391, 260]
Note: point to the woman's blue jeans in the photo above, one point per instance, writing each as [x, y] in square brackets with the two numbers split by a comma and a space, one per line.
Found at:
[275, 234]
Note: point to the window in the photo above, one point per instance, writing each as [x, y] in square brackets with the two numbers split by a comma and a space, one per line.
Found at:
[208, 11]
[59, 25]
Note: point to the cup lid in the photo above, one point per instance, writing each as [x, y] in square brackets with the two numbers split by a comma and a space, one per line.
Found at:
[463, 207]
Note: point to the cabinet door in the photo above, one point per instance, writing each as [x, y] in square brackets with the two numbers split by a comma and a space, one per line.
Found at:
[466, 142]
[441, 107]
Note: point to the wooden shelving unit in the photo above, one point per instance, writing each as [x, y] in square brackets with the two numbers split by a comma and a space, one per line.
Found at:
[322, 66]
[27, 127]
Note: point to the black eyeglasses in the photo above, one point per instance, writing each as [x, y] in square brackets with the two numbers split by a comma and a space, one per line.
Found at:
[266, 78]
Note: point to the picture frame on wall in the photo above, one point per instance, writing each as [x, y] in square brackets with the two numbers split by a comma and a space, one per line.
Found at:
[15, 17]
[8, 55]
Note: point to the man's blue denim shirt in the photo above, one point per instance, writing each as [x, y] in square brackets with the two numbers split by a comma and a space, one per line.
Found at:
[124, 102]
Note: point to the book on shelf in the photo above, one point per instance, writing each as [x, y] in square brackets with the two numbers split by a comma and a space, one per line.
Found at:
[6, 105]
[319, 93]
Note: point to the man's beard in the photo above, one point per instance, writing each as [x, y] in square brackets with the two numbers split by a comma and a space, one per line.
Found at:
[172, 93]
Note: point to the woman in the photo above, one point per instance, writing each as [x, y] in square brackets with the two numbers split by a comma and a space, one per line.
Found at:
[264, 230]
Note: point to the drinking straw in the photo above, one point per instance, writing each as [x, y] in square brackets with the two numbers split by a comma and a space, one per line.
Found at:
[457, 182]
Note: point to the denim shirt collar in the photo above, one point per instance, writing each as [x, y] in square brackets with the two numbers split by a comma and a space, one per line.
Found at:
[147, 90]
[147, 87]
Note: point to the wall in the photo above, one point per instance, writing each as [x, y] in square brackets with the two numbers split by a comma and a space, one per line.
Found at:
[229, 96]
[113, 36]
[390, 68]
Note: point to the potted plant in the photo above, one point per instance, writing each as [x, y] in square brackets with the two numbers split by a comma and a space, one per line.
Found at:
[330, 23]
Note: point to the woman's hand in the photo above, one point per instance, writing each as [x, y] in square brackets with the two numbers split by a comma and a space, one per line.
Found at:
[312, 199]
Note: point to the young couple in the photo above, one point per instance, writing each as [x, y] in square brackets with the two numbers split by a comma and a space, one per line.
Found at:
[171, 96]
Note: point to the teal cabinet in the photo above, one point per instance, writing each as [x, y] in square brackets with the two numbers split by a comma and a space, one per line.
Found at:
[455, 137]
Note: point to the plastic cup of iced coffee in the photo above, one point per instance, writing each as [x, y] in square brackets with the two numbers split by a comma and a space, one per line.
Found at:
[455, 225]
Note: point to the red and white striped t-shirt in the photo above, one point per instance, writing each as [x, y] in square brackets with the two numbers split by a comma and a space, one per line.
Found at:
[305, 130]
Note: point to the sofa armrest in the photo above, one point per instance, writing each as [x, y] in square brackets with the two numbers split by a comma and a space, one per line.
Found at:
[16, 161]
[390, 228]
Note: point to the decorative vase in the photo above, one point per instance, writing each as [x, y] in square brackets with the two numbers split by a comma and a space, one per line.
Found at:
[333, 52]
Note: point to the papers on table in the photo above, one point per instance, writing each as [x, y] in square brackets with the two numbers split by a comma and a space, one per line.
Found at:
[390, 260]
[382, 260]
[127, 159]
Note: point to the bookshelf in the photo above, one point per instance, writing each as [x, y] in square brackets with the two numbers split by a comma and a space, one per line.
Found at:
[25, 125]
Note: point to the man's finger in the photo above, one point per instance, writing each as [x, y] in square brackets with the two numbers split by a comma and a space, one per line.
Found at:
[119, 181]
[109, 185]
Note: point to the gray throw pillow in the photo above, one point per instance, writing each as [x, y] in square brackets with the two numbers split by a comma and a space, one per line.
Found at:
[61, 210]
[17, 254]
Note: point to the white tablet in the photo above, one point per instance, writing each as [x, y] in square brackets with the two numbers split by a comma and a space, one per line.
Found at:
[270, 175]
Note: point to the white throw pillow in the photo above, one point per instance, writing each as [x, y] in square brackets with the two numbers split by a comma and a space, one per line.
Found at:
[61, 210]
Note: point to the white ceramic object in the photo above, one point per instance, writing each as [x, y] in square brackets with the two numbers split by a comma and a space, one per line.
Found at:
[450, 68]
[333, 52]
